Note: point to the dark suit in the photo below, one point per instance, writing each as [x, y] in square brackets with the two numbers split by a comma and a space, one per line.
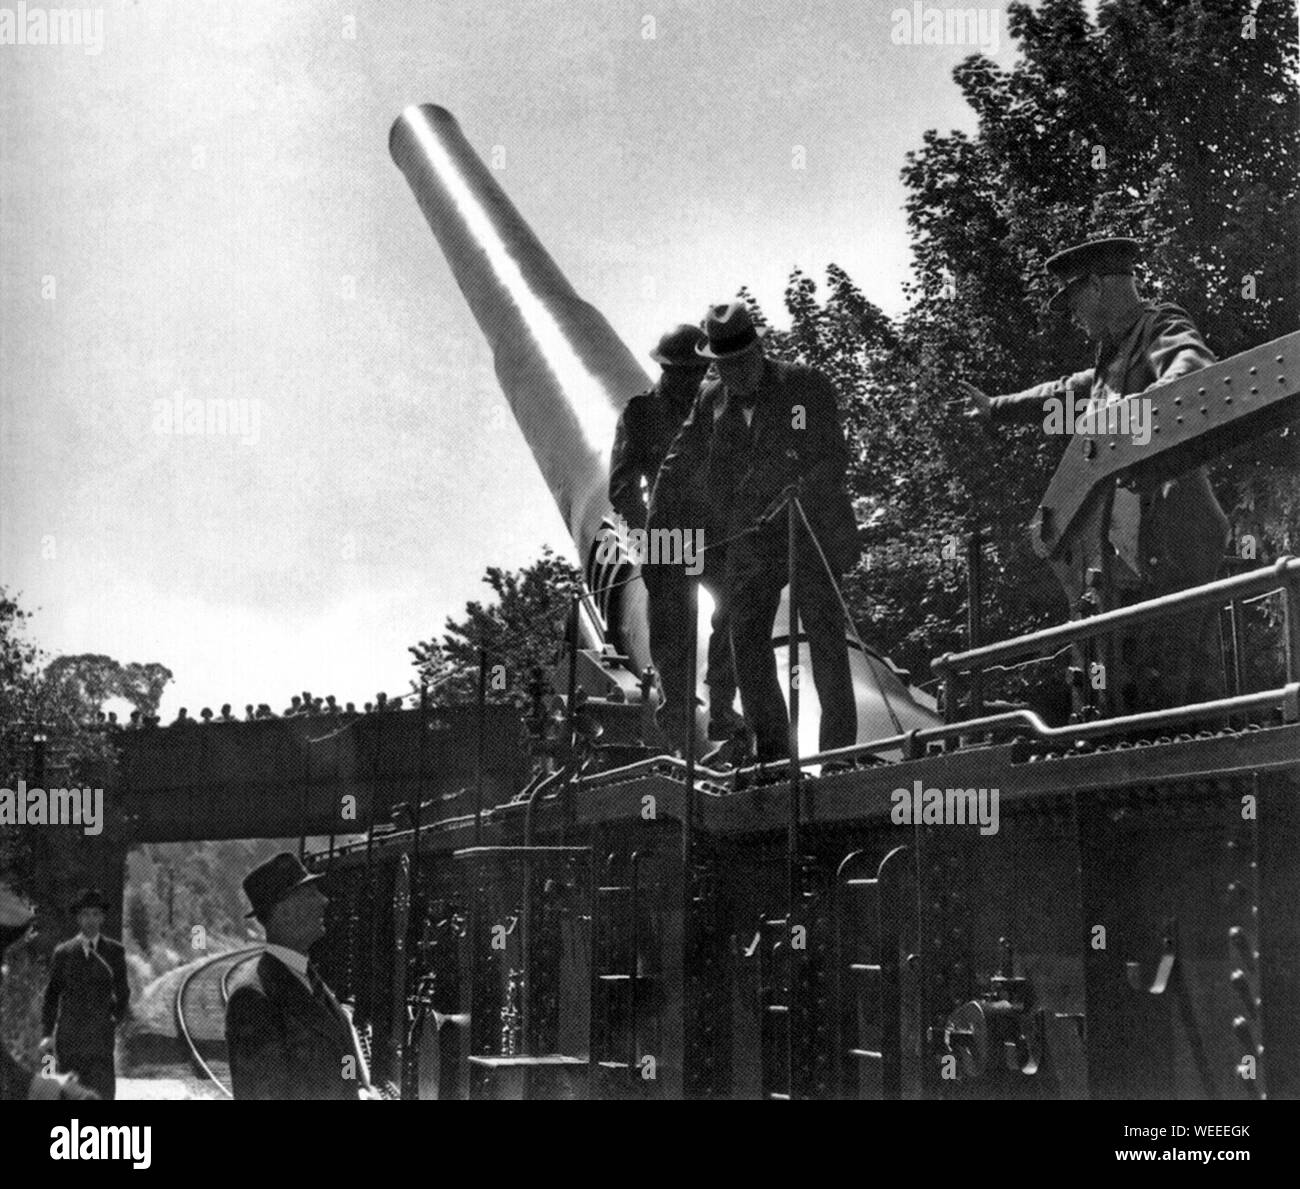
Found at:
[647, 428]
[286, 1042]
[85, 1000]
[794, 433]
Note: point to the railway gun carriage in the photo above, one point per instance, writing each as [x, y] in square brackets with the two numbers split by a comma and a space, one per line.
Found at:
[1124, 926]
[967, 904]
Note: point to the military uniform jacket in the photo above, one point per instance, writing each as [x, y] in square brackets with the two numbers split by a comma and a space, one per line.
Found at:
[1170, 534]
[795, 432]
[646, 429]
[86, 998]
[286, 1043]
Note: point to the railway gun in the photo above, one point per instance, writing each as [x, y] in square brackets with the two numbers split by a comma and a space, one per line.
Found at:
[975, 903]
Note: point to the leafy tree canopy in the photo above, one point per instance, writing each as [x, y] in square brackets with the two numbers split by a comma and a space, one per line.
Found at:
[523, 628]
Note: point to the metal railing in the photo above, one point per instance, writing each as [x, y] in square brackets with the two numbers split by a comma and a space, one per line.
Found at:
[1283, 576]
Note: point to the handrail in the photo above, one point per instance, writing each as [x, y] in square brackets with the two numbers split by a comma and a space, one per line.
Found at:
[530, 805]
[1279, 576]
[1287, 697]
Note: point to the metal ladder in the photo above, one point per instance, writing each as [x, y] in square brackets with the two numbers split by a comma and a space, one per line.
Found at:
[776, 1024]
[520, 982]
[616, 978]
[867, 991]
[784, 973]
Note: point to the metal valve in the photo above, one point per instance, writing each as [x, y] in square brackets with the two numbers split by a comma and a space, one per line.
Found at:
[989, 1033]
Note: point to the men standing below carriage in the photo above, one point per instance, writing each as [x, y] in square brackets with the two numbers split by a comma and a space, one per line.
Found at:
[646, 429]
[86, 998]
[17, 1081]
[287, 1036]
[761, 427]
[1155, 536]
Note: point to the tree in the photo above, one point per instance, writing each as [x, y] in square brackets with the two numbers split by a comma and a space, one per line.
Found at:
[54, 705]
[1176, 123]
[92, 680]
[47, 709]
[523, 628]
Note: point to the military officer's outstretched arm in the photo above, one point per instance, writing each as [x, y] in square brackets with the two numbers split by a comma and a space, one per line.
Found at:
[1027, 406]
[1174, 348]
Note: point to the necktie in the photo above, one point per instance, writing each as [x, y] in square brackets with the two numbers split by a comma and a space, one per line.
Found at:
[321, 993]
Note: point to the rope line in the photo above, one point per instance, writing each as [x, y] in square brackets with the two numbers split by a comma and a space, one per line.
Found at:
[848, 618]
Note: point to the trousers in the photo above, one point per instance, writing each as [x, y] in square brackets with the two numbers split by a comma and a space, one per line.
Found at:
[755, 575]
[668, 588]
[95, 1072]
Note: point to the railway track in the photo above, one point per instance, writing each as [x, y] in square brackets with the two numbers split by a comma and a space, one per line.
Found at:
[200, 1009]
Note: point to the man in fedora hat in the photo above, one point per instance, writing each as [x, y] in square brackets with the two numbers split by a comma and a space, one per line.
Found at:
[286, 1034]
[16, 1080]
[762, 426]
[1152, 537]
[86, 998]
[646, 429]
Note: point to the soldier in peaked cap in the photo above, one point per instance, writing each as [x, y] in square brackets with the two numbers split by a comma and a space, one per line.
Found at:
[16, 1080]
[86, 998]
[286, 1033]
[646, 429]
[762, 425]
[1152, 537]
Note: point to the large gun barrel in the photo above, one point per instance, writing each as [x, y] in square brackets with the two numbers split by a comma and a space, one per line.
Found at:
[563, 369]
[567, 374]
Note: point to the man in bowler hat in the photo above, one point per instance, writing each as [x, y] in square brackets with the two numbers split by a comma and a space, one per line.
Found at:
[762, 426]
[16, 1080]
[86, 998]
[1155, 536]
[286, 1034]
[646, 429]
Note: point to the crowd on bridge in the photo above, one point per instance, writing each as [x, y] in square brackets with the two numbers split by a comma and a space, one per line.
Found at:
[300, 706]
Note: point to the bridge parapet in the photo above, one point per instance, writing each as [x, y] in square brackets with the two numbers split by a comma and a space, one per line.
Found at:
[321, 774]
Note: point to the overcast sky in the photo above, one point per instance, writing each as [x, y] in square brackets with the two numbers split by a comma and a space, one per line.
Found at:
[206, 207]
